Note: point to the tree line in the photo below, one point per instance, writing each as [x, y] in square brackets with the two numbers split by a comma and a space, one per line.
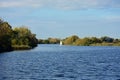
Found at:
[17, 38]
[91, 41]
[49, 41]
[23, 38]
[87, 41]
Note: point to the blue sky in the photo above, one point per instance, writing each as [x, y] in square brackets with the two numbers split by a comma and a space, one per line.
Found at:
[62, 18]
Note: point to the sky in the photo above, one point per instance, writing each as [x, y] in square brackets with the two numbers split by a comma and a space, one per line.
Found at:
[63, 18]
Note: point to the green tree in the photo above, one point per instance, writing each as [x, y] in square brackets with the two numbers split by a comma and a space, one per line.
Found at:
[83, 42]
[23, 36]
[70, 40]
[53, 40]
[95, 40]
[5, 36]
[107, 39]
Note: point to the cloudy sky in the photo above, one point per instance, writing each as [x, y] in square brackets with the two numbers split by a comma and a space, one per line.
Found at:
[62, 18]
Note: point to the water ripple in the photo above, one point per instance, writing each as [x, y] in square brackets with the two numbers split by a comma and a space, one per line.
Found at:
[54, 62]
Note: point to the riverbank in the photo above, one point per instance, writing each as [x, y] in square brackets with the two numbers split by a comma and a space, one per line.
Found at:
[21, 47]
[17, 47]
[91, 41]
[106, 44]
[97, 44]
[18, 38]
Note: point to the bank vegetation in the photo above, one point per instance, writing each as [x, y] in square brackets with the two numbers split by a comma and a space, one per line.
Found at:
[17, 38]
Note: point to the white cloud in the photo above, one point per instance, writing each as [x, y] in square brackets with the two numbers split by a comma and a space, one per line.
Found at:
[61, 4]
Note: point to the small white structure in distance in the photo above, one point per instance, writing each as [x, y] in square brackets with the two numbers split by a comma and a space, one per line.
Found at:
[61, 43]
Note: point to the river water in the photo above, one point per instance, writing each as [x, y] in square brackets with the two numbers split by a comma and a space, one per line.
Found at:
[54, 62]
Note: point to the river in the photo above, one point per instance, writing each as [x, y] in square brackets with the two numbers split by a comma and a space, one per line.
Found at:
[55, 62]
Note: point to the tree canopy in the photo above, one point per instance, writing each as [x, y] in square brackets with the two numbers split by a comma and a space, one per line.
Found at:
[17, 38]
[5, 36]
[91, 41]
[23, 36]
[70, 40]
[49, 41]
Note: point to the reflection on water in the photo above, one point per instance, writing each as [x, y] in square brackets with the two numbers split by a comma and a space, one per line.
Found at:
[54, 62]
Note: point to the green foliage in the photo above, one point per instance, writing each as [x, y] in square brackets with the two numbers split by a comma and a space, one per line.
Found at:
[49, 41]
[91, 41]
[23, 36]
[70, 40]
[53, 40]
[5, 36]
[80, 42]
[21, 47]
[107, 39]
[19, 38]
[95, 40]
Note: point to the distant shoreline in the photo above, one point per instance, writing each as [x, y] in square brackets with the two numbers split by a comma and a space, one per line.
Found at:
[87, 41]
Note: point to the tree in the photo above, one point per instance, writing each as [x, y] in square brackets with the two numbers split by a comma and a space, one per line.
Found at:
[5, 36]
[19, 37]
[95, 40]
[83, 42]
[70, 40]
[23, 36]
[107, 39]
[53, 40]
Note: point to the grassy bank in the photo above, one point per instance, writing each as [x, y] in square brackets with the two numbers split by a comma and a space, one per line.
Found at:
[21, 47]
[91, 41]
[106, 44]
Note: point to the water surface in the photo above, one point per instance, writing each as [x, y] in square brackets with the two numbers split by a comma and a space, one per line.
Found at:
[54, 62]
